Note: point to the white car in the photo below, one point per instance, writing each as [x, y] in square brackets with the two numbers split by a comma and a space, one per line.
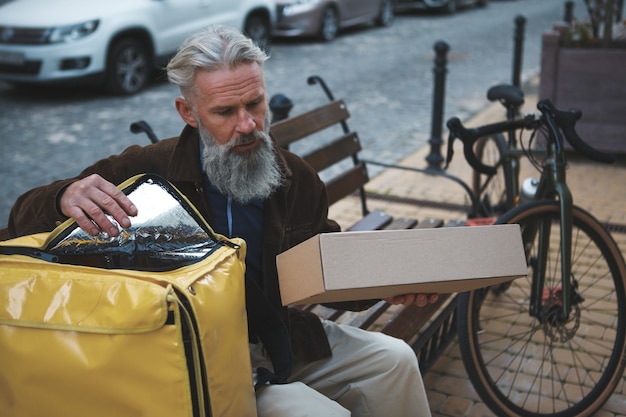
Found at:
[115, 43]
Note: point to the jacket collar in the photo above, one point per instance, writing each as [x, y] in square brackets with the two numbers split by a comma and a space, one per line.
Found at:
[185, 163]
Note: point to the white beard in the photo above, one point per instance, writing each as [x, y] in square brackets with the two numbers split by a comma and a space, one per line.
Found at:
[254, 174]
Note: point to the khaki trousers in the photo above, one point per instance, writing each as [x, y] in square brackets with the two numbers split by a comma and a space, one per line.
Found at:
[369, 375]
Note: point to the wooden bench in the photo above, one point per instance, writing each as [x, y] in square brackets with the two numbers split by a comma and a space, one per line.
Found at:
[332, 149]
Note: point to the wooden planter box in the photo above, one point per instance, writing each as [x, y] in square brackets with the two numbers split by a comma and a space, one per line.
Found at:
[593, 80]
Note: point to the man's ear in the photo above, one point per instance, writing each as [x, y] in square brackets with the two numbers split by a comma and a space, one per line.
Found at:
[186, 112]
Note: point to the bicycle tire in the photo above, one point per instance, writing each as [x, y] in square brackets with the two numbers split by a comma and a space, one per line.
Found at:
[491, 190]
[513, 360]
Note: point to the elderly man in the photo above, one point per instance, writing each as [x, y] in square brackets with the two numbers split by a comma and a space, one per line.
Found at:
[227, 165]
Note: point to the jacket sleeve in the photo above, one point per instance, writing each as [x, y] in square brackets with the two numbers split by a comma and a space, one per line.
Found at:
[37, 210]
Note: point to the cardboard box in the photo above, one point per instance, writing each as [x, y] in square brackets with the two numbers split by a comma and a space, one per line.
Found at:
[364, 265]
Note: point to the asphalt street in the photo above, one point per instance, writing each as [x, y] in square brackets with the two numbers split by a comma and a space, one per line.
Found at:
[384, 74]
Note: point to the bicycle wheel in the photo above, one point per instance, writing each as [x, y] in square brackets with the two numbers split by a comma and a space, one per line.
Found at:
[492, 190]
[537, 366]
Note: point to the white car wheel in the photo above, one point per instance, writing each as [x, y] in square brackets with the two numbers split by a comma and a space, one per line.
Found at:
[128, 67]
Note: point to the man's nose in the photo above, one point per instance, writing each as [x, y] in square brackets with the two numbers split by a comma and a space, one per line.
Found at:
[245, 122]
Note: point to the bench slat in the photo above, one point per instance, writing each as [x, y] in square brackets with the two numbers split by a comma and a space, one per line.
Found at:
[429, 223]
[375, 220]
[401, 223]
[336, 151]
[347, 183]
[294, 128]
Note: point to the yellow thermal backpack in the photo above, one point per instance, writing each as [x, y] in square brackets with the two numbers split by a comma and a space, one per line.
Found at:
[149, 323]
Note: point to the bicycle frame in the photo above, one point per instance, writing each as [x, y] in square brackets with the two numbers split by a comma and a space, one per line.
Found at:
[511, 182]
[552, 184]
[512, 158]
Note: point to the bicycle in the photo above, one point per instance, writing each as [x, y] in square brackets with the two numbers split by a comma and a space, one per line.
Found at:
[534, 347]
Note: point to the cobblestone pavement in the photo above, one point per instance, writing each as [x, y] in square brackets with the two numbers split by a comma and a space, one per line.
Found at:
[385, 74]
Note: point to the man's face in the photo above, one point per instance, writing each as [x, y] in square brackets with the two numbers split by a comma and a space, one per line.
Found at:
[230, 112]
[228, 103]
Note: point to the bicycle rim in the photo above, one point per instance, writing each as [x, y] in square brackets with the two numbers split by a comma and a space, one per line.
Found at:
[526, 366]
[491, 190]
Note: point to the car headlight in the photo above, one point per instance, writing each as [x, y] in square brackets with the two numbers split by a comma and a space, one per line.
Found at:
[72, 32]
[299, 6]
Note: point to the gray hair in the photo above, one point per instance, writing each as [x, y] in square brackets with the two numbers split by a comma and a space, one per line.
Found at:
[214, 48]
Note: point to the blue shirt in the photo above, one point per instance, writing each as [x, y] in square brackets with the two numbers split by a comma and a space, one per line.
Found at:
[245, 221]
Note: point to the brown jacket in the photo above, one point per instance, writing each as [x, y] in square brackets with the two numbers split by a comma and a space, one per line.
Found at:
[294, 213]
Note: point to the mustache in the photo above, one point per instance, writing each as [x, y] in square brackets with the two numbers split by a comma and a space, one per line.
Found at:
[247, 138]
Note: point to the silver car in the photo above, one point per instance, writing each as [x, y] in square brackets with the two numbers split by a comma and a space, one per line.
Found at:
[325, 18]
[446, 6]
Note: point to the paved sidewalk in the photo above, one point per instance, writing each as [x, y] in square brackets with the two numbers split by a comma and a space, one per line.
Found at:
[596, 187]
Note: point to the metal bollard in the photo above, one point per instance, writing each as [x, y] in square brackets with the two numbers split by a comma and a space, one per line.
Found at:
[568, 17]
[280, 106]
[434, 158]
[520, 23]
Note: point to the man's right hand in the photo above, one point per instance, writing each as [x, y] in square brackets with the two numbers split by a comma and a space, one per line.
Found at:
[88, 201]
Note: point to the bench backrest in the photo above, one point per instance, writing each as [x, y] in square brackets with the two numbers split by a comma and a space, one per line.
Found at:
[327, 153]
